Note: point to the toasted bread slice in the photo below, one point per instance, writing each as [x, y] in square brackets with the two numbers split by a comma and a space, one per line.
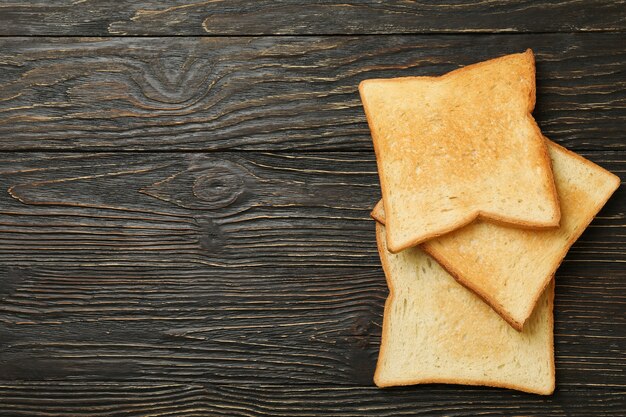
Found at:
[437, 331]
[508, 267]
[458, 146]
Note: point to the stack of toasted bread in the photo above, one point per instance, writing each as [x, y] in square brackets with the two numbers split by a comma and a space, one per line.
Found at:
[478, 211]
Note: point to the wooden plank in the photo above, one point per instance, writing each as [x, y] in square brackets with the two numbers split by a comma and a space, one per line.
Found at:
[187, 400]
[272, 93]
[256, 325]
[223, 209]
[238, 17]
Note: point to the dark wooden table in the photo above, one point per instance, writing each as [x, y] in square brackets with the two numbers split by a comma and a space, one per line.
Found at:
[184, 219]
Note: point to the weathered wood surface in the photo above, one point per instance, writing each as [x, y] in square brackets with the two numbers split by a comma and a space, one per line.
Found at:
[218, 259]
[269, 17]
[245, 283]
[160, 400]
[221, 209]
[271, 93]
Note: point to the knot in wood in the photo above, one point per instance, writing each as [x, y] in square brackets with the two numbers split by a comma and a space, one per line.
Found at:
[219, 185]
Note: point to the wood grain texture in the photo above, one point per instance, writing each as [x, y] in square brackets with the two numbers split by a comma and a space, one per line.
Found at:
[265, 17]
[230, 283]
[280, 326]
[276, 93]
[197, 282]
[221, 209]
[189, 400]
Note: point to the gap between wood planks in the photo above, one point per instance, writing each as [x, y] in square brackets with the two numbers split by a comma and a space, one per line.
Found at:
[471, 32]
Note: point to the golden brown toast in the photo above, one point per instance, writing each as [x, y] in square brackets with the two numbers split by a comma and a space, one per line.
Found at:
[509, 267]
[437, 331]
[462, 145]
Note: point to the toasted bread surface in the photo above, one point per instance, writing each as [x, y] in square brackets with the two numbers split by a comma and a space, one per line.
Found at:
[459, 146]
[510, 267]
[437, 331]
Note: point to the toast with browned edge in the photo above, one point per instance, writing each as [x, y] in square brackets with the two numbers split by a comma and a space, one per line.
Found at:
[509, 267]
[459, 146]
[437, 331]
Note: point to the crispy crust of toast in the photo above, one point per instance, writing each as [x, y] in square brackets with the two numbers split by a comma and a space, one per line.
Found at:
[385, 336]
[498, 308]
[471, 215]
[459, 278]
[458, 275]
[516, 324]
